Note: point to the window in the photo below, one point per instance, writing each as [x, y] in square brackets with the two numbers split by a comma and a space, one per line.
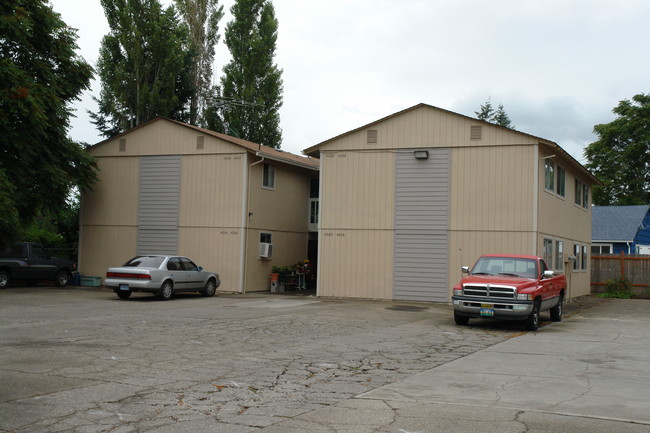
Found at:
[548, 252]
[576, 254]
[578, 193]
[268, 180]
[559, 255]
[313, 211]
[266, 238]
[549, 174]
[601, 249]
[189, 265]
[583, 258]
[585, 196]
[561, 176]
[174, 264]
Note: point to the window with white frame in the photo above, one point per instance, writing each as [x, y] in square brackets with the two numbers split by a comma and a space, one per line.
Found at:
[585, 196]
[576, 254]
[601, 248]
[549, 174]
[583, 258]
[268, 179]
[561, 180]
[548, 252]
[559, 255]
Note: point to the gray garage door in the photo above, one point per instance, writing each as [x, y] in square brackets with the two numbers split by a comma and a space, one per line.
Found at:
[158, 206]
[421, 222]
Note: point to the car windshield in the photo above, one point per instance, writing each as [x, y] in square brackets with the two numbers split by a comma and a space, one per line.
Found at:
[508, 266]
[145, 262]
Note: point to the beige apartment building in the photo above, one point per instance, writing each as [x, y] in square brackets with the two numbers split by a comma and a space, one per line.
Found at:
[233, 206]
[407, 200]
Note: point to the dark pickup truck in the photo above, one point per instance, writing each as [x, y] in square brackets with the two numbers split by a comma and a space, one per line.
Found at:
[31, 262]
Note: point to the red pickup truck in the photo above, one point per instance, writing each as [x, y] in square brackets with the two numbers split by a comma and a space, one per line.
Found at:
[510, 287]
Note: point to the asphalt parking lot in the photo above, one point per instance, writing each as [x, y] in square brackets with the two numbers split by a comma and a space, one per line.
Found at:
[82, 360]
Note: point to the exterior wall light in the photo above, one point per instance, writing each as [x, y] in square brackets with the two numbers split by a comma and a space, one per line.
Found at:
[421, 154]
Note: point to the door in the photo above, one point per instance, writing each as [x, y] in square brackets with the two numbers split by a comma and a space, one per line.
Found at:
[40, 264]
[193, 278]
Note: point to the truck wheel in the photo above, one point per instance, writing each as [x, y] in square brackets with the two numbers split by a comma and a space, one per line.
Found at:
[532, 322]
[62, 278]
[210, 288]
[166, 291]
[460, 320]
[556, 312]
[4, 279]
[124, 294]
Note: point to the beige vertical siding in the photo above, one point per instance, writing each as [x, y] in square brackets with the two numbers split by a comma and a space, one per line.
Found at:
[113, 200]
[211, 205]
[216, 249]
[426, 127]
[282, 211]
[105, 246]
[108, 225]
[289, 248]
[491, 189]
[356, 264]
[212, 191]
[560, 219]
[357, 225]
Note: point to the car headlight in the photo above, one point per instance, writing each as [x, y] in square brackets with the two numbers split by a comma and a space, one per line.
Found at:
[524, 297]
[458, 292]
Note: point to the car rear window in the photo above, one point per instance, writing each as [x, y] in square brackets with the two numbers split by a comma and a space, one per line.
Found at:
[145, 262]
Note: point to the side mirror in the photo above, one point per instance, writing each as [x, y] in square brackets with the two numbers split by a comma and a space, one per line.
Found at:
[200, 268]
[548, 274]
[465, 269]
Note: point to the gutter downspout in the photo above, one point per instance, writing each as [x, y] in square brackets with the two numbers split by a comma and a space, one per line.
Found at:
[245, 219]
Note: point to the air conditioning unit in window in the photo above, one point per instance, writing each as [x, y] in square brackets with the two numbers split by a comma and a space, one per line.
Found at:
[266, 250]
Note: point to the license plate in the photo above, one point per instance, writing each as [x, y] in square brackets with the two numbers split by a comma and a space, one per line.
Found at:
[124, 287]
[489, 312]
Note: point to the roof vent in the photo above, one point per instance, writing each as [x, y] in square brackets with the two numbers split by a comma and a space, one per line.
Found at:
[199, 142]
[476, 132]
[371, 136]
[122, 144]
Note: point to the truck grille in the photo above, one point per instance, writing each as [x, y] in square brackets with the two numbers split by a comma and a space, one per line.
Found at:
[489, 291]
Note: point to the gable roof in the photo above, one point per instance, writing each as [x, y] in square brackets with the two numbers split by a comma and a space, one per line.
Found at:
[547, 143]
[616, 223]
[260, 150]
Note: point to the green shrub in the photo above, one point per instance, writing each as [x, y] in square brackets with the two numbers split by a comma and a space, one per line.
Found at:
[618, 288]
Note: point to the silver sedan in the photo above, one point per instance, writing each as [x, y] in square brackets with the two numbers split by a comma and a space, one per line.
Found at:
[161, 275]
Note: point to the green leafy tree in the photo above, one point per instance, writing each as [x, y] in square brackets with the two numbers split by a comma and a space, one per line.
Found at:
[40, 76]
[620, 158]
[498, 116]
[202, 19]
[248, 101]
[144, 66]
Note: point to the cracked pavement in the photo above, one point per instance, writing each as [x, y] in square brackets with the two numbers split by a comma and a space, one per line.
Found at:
[82, 360]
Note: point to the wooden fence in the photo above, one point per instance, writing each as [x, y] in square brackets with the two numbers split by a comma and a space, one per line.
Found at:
[635, 268]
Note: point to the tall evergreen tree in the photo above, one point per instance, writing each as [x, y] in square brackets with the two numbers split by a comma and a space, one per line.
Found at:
[40, 76]
[250, 96]
[620, 158]
[486, 112]
[501, 118]
[202, 19]
[143, 65]
[498, 116]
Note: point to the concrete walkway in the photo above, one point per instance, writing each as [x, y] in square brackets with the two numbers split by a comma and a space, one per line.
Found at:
[589, 373]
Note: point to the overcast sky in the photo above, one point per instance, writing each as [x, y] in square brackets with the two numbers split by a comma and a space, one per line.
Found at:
[557, 66]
